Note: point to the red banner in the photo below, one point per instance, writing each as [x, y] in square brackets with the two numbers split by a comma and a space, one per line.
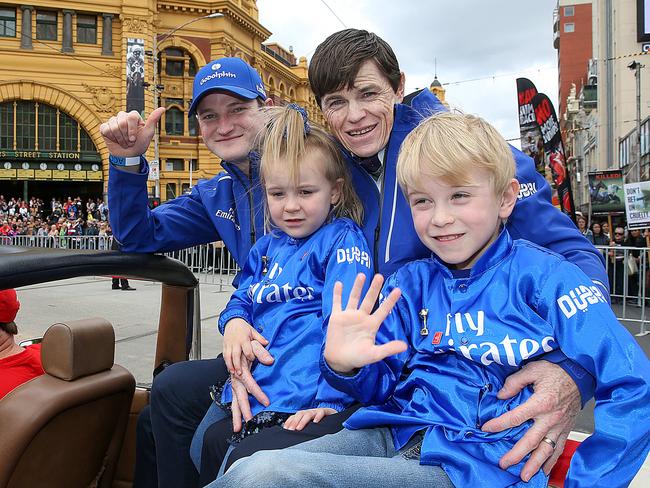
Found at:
[531, 137]
[554, 148]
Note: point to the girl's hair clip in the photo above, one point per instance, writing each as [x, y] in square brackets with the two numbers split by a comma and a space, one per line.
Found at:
[303, 112]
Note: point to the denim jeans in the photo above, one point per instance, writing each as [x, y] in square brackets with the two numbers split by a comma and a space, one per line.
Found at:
[179, 400]
[363, 458]
[214, 414]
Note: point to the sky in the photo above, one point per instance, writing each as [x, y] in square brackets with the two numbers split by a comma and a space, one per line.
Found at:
[478, 47]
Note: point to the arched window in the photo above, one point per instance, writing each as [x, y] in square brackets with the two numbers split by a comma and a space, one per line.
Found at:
[30, 126]
[174, 122]
[175, 59]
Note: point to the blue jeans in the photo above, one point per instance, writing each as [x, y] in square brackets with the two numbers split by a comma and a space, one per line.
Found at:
[363, 458]
[179, 400]
[214, 414]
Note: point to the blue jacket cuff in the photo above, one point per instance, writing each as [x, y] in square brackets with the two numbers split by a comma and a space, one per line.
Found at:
[580, 376]
[228, 315]
[339, 407]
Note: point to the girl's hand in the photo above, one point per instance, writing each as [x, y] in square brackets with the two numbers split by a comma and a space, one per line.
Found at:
[240, 339]
[351, 332]
[300, 419]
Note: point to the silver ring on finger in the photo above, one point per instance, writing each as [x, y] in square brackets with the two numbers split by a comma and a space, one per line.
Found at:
[550, 442]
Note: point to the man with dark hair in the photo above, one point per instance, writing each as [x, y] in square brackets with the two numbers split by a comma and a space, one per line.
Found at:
[17, 364]
[353, 74]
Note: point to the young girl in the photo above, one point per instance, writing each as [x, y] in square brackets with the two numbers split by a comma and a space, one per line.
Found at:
[286, 287]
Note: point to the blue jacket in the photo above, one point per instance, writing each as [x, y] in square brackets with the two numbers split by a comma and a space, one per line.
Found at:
[518, 302]
[285, 292]
[391, 230]
[228, 207]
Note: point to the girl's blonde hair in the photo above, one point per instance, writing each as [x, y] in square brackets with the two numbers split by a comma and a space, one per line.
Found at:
[449, 146]
[288, 137]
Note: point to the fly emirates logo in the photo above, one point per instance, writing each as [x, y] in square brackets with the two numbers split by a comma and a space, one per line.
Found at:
[509, 351]
[266, 292]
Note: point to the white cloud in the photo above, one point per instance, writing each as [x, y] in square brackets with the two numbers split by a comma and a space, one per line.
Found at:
[497, 41]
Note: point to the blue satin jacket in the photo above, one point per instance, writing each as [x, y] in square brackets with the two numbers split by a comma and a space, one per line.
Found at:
[285, 292]
[519, 302]
[228, 207]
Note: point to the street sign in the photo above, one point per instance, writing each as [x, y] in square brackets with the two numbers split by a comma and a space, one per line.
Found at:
[154, 170]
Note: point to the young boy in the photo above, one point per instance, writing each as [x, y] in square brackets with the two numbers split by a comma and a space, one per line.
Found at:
[433, 361]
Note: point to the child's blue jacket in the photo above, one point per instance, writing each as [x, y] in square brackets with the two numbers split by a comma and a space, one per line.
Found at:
[519, 302]
[285, 292]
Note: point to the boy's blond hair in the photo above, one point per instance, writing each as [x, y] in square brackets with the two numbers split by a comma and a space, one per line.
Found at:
[285, 139]
[450, 145]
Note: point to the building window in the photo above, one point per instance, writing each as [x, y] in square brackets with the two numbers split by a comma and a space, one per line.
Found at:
[194, 164]
[174, 122]
[46, 128]
[39, 124]
[86, 144]
[7, 22]
[174, 164]
[624, 152]
[191, 70]
[185, 188]
[68, 136]
[7, 125]
[86, 29]
[568, 11]
[25, 125]
[46, 26]
[175, 62]
[170, 190]
[645, 138]
[193, 126]
[569, 27]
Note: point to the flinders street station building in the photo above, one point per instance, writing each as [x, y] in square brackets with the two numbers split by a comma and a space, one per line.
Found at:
[67, 66]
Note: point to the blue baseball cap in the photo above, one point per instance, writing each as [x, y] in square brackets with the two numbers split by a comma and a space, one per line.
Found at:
[227, 74]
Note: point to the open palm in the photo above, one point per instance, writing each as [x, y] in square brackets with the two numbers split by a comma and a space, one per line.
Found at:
[351, 333]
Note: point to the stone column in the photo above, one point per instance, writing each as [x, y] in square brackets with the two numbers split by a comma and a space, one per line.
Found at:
[67, 31]
[26, 27]
[107, 34]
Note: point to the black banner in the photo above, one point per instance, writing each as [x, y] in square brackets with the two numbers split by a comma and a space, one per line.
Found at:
[554, 148]
[531, 137]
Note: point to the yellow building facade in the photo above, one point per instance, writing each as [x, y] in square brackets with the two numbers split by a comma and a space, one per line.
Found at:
[64, 72]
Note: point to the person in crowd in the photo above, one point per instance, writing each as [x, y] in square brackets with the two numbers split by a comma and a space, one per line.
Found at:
[616, 269]
[17, 364]
[605, 226]
[634, 280]
[359, 87]
[581, 220]
[600, 239]
[228, 207]
[440, 329]
[314, 242]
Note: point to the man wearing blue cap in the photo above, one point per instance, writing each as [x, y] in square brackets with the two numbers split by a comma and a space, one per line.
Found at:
[228, 94]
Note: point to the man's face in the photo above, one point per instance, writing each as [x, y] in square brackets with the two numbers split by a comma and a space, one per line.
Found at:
[361, 117]
[619, 235]
[229, 125]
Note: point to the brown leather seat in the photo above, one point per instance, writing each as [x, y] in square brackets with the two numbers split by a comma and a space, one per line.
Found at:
[65, 428]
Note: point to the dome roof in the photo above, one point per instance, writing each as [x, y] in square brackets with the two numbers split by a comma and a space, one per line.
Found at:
[435, 83]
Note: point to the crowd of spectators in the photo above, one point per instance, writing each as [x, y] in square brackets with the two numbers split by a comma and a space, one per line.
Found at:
[71, 217]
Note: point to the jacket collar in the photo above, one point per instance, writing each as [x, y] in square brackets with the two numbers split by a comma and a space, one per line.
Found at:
[494, 254]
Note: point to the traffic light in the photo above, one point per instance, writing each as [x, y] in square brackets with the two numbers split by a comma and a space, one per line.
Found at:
[154, 202]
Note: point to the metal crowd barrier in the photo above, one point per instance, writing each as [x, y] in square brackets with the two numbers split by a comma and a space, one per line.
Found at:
[212, 264]
[629, 283]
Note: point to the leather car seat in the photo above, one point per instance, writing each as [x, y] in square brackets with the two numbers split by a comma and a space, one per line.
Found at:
[65, 429]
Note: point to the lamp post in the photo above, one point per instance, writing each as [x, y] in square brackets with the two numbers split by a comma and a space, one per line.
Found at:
[636, 67]
[158, 88]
